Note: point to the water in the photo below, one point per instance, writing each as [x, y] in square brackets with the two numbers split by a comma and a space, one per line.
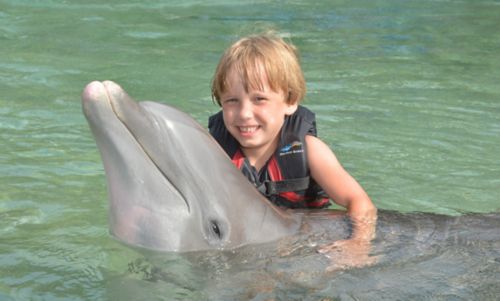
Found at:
[406, 93]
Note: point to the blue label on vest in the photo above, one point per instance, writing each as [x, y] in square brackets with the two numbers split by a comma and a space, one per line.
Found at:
[292, 148]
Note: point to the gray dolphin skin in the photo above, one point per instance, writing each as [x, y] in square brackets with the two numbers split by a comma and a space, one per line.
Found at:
[170, 186]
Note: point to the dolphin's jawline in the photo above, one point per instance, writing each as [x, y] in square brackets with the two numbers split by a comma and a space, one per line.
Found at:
[144, 150]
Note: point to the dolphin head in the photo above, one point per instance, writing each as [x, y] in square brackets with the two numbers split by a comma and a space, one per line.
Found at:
[170, 185]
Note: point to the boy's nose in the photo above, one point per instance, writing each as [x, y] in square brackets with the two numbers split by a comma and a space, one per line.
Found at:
[246, 109]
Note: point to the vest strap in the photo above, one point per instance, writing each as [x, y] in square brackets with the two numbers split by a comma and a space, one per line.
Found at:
[276, 187]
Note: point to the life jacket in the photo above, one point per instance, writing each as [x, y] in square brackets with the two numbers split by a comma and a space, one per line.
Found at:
[285, 179]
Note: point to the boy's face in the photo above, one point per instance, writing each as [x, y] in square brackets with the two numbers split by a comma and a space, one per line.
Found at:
[255, 117]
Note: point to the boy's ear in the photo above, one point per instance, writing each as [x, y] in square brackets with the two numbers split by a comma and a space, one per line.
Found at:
[291, 108]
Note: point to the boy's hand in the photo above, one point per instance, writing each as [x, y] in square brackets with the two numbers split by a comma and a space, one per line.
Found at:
[353, 252]
[349, 253]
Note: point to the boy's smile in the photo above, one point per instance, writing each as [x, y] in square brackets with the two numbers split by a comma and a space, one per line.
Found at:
[248, 130]
[254, 117]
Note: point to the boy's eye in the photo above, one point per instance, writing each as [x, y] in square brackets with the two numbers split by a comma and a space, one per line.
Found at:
[229, 100]
[260, 98]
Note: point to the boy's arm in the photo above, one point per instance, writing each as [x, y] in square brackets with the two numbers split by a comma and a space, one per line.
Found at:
[336, 182]
[343, 189]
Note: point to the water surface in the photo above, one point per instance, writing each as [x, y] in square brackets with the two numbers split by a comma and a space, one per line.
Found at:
[406, 94]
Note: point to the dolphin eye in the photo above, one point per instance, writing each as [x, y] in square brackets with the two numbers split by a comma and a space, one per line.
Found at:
[215, 228]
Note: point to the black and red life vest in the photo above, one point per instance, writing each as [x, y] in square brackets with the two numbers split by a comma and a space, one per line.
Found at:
[285, 179]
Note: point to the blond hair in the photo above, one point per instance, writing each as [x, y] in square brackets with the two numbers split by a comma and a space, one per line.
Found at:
[254, 54]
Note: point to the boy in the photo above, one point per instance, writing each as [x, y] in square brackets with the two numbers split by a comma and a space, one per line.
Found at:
[259, 85]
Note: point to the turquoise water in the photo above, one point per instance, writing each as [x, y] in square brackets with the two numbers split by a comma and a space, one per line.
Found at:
[406, 93]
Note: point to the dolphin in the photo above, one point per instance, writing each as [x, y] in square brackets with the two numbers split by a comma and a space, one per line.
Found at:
[170, 185]
[172, 188]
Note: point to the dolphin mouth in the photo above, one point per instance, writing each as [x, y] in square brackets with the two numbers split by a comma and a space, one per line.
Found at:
[105, 103]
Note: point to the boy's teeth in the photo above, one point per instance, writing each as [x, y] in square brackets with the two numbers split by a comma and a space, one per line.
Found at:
[248, 129]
